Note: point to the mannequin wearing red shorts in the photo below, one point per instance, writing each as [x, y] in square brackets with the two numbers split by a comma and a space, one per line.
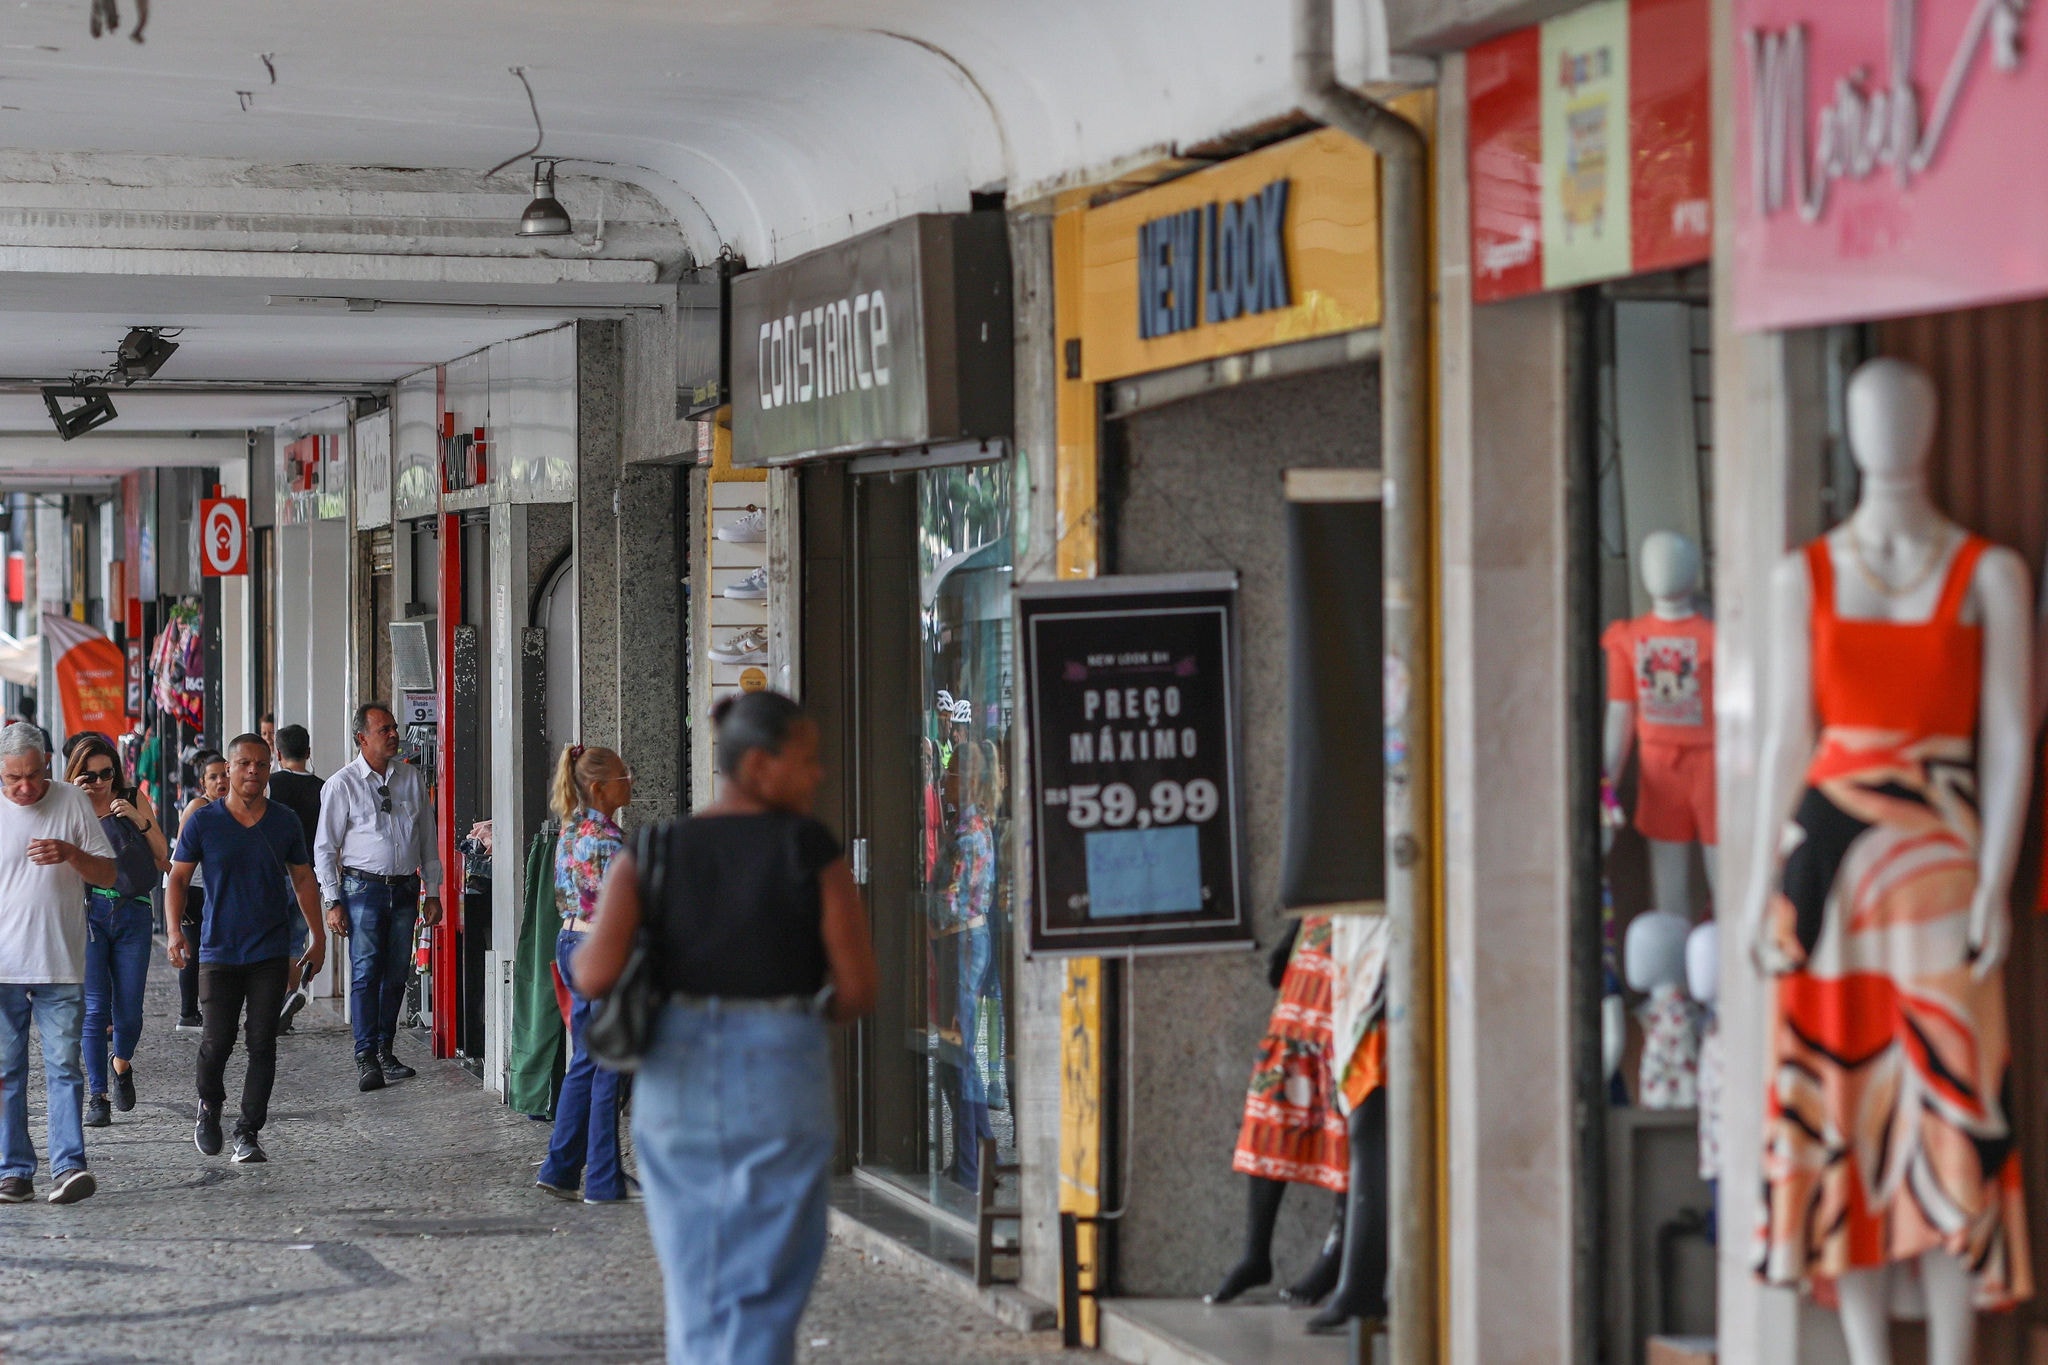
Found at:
[1660, 704]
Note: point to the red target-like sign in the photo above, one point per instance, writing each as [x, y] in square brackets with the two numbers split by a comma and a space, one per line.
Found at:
[224, 537]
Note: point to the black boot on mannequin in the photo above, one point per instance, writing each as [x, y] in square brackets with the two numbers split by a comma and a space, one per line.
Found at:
[1310, 1289]
[1256, 1268]
[1362, 1288]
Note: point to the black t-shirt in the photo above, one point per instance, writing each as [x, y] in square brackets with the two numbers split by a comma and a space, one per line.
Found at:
[300, 794]
[741, 910]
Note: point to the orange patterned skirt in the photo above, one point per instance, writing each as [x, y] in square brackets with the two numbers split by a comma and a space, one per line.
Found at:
[1292, 1129]
[1888, 1128]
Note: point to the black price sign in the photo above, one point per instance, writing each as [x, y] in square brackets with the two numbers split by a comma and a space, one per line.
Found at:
[1133, 763]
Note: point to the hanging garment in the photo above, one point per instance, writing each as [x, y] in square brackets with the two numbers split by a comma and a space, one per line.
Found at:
[1710, 1099]
[1358, 1006]
[1292, 1130]
[1669, 1075]
[533, 1067]
[1665, 669]
[1887, 1131]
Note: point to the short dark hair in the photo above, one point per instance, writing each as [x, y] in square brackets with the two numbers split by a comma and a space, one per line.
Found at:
[747, 721]
[269, 717]
[294, 743]
[360, 724]
[249, 738]
[202, 759]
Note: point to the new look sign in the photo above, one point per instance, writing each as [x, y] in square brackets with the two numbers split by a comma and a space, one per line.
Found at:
[896, 339]
[1213, 263]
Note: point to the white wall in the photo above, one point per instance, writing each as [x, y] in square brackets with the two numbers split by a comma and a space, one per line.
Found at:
[237, 627]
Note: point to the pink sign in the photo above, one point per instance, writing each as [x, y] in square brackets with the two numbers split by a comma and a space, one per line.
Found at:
[1889, 158]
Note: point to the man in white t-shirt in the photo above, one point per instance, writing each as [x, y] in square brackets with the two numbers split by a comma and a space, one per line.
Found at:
[51, 849]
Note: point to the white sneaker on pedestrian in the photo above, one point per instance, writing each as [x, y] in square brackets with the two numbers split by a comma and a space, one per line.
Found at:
[749, 646]
[751, 588]
[748, 528]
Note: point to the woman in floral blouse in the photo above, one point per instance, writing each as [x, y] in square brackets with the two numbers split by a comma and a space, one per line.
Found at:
[592, 785]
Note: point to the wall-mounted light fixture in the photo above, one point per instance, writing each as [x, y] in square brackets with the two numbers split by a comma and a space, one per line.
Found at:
[545, 216]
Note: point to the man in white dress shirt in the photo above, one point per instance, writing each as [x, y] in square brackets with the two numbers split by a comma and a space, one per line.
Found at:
[374, 848]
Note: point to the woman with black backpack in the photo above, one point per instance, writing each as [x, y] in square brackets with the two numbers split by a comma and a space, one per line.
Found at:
[755, 937]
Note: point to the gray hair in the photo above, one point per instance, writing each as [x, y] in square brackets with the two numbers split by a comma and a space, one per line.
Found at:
[23, 737]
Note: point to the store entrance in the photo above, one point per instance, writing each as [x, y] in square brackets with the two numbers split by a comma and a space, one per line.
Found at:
[907, 663]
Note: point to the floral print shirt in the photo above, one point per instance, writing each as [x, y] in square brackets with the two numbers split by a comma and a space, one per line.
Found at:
[585, 851]
[974, 871]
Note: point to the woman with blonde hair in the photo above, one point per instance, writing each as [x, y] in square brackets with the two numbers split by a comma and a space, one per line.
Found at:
[592, 785]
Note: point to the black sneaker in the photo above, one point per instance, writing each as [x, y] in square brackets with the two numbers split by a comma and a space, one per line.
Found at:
[190, 1023]
[73, 1186]
[248, 1150]
[369, 1075]
[293, 1003]
[97, 1115]
[393, 1069]
[16, 1189]
[124, 1090]
[206, 1133]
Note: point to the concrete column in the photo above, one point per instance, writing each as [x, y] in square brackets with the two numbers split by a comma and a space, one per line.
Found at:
[1034, 534]
[628, 576]
[1505, 373]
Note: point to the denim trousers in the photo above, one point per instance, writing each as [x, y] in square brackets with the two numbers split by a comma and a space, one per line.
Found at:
[585, 1144]
[380, 924]
[732, 1120]
[59, 1016]
[118, 947]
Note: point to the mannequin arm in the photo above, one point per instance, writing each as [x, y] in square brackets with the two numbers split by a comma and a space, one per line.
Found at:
[2005, 754]
[1617, 740]
[1787, 716]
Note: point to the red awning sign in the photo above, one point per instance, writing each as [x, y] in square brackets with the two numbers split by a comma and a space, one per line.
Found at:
[224, 537]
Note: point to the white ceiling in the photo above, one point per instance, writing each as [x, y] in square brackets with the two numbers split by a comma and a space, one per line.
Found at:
[767, 126]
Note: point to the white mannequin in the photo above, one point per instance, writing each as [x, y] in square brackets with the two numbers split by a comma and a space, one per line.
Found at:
[1898, 533]
[1671, 572]
[1653, 960]
[1703, 963]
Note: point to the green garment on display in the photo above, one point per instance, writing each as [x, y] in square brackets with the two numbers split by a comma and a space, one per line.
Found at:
[533, 1073]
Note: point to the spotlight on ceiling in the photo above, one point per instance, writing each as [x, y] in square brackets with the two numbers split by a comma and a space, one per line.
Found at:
[143, 352]
[77, 409]
[545, 216]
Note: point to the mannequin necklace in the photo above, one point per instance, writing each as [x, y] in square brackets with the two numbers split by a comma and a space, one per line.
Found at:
[1877, 581]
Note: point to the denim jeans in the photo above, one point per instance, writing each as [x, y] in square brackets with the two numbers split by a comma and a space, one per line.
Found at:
[585, 1144]
[59, 1016]
[117, 951]
[977, 981]
[732, 1120]
[380, 923]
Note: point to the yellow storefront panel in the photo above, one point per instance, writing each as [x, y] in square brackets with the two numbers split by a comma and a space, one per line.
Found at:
[1195, 269]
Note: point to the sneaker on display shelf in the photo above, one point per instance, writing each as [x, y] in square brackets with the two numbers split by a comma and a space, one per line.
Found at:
[748, 528]
[749, 646]
[751, 588]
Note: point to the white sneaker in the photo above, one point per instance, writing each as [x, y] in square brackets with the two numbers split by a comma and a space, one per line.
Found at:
[749, 646]
[751, 588]
[748, 528]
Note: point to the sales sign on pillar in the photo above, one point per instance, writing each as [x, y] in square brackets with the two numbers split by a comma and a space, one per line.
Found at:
[1133, 770]
[224, 538]
[1590, 147]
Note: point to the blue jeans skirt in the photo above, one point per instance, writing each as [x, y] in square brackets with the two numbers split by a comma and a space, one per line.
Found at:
[733, 1123]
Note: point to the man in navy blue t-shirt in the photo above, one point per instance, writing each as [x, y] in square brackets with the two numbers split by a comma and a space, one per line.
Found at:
[254, 853]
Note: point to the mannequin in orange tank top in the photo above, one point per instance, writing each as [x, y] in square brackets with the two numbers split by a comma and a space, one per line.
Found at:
[1899, 689]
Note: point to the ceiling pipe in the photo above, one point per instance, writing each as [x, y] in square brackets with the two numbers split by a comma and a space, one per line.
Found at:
[1412, 1062]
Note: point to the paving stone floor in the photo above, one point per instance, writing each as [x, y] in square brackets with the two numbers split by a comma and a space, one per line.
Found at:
[397, 1226]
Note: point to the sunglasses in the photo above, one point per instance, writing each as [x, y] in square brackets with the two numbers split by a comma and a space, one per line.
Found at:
[385, 792]
[97, 775]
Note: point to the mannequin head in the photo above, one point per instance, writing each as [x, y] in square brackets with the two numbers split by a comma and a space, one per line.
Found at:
[1670, 566]
[1703, 962]
[1892, 406]
[1654, 953]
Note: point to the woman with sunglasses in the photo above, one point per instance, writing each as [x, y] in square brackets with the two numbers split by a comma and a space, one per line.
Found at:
[592, 785]
[212, 769]
[120, 923]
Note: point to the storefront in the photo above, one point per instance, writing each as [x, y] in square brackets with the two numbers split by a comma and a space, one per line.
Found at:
[1924, 249]
[1218, 342]
[859, 556]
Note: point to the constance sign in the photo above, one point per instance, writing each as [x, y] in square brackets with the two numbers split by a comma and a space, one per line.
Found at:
[1876, 167]
[898, 338]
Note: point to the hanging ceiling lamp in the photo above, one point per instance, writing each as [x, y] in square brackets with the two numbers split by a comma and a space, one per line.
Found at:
[545, 216]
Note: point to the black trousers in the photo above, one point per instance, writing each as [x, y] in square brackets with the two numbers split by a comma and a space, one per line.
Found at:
[225, 992]
[188, 975]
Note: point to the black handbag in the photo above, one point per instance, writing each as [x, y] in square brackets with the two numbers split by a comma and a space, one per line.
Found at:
[618, 1034]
